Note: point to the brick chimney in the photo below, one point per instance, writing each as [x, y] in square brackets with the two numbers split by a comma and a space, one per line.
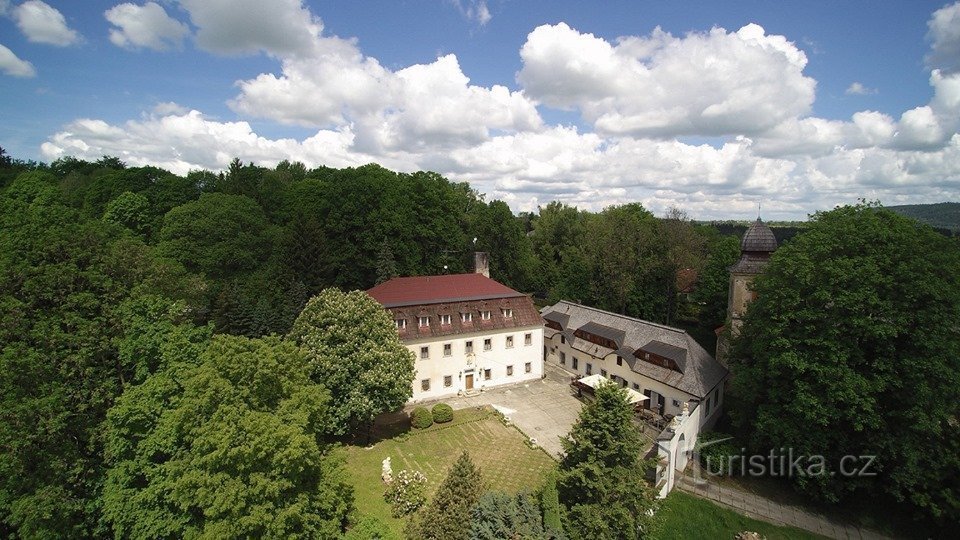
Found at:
[481, 263]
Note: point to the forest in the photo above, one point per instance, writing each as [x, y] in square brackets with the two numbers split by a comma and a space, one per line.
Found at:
[133, 299]
[136, 305]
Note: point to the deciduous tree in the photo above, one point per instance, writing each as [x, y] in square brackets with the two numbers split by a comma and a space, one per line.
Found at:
[225, 446]
[356, 353]
[852, 348]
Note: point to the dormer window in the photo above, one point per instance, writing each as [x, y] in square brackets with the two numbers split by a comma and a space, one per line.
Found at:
[423, 322]
[466, 317]
[401, 323]
[444, 320]
[507, 313]
[485, 315]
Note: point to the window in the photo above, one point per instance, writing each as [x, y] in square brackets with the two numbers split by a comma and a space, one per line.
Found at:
[623, 383]
[589, 368]
[444, 319]
[466, 317]
[707, 410]
[425, 385]
[485, 315]
[563, 340]
[603, 372]
[636, 386]
[487, 344]
[423, 321]
[619, 361]
[509, 341]
[401, 323]
[447, 349]
[509, 371]
[563, 359]
[424, 353]
[447, 380]
[486, 374]
[575, 362]
[676, 403]
[528, 339]
[507, 313]
[468, 347]
[527, 368]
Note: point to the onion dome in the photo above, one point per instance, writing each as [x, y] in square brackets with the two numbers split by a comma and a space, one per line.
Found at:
[758, 239]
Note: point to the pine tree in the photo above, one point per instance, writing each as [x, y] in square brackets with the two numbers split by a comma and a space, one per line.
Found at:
[602, 476]
[498, 515]
[386, 263]
[446, 516]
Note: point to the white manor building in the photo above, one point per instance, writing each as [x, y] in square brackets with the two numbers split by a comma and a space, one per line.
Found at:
[681, 380]
[466, 331]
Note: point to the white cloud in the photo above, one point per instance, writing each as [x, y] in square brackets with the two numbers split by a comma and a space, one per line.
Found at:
[858, 89]
[418, 106]
[279, 27]
[4, 7]
[711, 83]
[944, 33]
[181, 142]
[44, 24]
[473, 10]
[11, 65]
[147, 26]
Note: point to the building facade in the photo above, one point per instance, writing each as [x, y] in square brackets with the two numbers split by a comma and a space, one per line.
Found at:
[665, 364]
[466, 331]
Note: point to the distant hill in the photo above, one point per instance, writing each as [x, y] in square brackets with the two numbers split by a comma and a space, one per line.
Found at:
[944, 215]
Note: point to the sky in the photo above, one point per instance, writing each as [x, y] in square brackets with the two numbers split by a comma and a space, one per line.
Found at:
[722, 109]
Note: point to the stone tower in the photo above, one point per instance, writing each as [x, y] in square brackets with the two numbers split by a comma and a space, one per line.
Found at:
[757, 245]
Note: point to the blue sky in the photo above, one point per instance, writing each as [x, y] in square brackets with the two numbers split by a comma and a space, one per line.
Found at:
[713, 107]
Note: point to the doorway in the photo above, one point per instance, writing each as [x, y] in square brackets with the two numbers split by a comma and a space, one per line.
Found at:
[468, 381]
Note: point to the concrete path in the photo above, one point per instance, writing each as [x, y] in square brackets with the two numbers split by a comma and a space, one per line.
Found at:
[764, 509]
[543, 409]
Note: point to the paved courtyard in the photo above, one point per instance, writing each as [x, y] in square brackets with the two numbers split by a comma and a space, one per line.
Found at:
[543, 409]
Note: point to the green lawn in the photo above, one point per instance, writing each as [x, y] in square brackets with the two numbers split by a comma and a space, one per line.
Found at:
[685, 517]
[499, 452]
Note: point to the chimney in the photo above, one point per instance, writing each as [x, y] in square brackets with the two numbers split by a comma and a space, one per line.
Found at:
[481, 263]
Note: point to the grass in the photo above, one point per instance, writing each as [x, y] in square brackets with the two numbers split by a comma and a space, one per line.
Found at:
[500, 452]
[684, 516]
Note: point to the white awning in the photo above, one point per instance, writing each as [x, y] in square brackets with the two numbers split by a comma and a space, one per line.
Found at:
[595, 380]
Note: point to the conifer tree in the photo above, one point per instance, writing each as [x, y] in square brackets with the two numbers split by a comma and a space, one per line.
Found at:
[447, 516]
[602, 476]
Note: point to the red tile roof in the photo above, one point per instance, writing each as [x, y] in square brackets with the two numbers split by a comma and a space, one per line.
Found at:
[420, 290]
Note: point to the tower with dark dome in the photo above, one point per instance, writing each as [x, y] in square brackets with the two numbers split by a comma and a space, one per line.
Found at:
[756, 247]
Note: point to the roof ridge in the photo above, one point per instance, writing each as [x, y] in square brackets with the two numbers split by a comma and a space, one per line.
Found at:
[658, 325]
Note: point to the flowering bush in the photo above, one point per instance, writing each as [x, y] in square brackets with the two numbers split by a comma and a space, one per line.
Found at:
[407, 492]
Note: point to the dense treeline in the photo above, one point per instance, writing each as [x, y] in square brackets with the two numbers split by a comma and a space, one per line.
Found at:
[263, 241]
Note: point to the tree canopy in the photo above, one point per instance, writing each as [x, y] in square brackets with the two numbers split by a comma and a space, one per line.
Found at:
[852, 349]
[225, 447]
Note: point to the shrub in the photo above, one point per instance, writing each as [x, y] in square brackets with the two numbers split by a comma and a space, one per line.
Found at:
[550, 504]
[442, 413]
[406, 493]
[421, 418]
[716, 450]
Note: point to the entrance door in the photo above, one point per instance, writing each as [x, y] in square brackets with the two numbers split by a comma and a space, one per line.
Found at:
[469, 381]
